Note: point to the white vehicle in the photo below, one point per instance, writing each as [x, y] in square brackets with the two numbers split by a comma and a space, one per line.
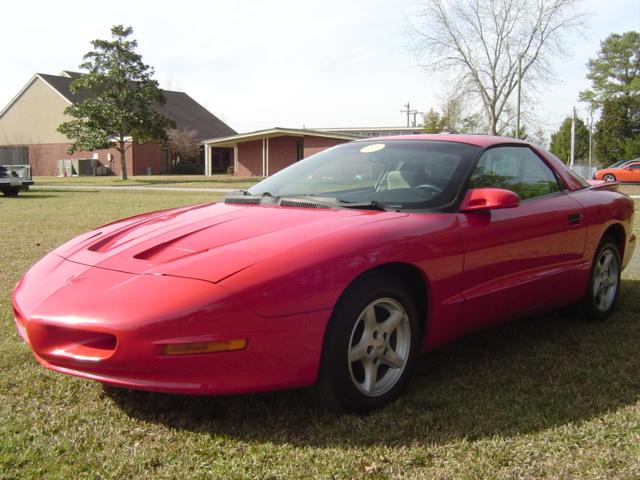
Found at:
[14, 178]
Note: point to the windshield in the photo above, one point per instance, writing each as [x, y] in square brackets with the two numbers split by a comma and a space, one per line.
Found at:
[398, 173]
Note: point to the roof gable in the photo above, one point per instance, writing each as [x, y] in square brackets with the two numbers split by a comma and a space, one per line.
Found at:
[180, 107]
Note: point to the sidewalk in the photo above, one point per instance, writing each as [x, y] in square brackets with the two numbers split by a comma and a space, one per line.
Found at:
[133, 187]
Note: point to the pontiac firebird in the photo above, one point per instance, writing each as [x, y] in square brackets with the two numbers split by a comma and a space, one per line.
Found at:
[334, 273]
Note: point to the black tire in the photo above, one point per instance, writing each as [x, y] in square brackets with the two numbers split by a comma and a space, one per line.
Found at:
[604, 281]
[11, 191]
[609, 177]
[343, 382]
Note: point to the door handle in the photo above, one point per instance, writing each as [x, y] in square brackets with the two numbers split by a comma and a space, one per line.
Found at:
[575, 218]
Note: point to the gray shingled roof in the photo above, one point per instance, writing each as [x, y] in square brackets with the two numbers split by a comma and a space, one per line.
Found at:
[180, 107]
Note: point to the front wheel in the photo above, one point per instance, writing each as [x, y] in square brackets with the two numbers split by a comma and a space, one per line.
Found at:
[604, 282]
[11, 191]
[609, 177]
[371, 344]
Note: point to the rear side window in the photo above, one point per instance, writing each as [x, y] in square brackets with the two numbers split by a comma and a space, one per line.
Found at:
[514, 168]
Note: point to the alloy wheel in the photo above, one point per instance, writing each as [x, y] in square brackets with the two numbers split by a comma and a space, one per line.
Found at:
[380, 345]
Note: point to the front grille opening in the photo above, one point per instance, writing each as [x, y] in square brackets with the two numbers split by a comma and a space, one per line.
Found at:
[73, 344]
[105, 342]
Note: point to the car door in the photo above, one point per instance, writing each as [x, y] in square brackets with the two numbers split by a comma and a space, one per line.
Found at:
[630, 173]
[523, 258]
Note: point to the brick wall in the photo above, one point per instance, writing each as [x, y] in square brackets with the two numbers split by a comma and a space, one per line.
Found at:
[314, 145]
[148, 155]
[282, 152]
[43, 158]
[250, 159]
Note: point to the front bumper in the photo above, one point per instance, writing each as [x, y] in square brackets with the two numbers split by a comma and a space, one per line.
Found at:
[113, 326]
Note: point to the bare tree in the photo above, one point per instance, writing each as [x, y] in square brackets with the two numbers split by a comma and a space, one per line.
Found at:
[184, 143]
[481, 42]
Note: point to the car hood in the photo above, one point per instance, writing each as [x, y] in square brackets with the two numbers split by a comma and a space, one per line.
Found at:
[208, 242]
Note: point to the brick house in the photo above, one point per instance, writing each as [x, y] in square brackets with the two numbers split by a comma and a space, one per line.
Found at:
[28, 128]
[265, 152]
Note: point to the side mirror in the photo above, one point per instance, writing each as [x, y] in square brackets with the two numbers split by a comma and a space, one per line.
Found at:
[483, 199]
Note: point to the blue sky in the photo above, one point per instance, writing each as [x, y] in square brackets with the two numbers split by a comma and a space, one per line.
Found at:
[259, 64]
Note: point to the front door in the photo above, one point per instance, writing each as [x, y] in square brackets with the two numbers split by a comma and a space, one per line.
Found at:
[520, 258]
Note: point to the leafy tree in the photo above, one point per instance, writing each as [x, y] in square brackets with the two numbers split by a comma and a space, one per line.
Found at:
[615, 82]
[478, 44]
[617, 133]
[432, 122]
[561, 140]
[451, 119]
[616, 70]
[120, 101]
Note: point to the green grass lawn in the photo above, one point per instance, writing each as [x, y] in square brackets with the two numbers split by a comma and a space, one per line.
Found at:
[630, 189]
[199, 181]
[547, 397]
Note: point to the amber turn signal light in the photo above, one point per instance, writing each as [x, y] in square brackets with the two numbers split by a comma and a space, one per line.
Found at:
[205, 347]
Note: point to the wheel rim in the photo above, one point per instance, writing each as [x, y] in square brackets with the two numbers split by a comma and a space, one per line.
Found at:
[379, 347]
[609, 178]
[605, 280]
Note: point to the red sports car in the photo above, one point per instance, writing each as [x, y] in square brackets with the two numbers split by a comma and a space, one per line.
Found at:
[335, 272]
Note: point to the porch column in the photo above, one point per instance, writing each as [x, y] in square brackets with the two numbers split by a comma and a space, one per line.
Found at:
[207, 160]
[264, 156]
[267, 159]
[235, 160]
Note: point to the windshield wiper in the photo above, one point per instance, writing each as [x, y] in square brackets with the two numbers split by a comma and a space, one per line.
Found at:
[248, 193]
[246, 197]
[372, 205]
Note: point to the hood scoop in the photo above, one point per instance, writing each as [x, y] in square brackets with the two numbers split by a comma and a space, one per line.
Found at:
[105, 243]
[170, 248]
[134, 230]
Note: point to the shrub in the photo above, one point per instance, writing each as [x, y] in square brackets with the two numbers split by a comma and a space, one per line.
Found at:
[187, 168]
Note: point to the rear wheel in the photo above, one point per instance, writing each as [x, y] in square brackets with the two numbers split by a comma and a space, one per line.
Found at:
[604, 282]
[371, 344]
[609, 177]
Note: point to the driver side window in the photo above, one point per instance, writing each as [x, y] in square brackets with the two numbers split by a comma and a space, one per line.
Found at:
[514, 168]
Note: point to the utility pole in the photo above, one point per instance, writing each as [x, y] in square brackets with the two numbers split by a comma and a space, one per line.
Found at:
[414, 113]
[572, 159]
[519, 96]
[590, 129]
[408, 111]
